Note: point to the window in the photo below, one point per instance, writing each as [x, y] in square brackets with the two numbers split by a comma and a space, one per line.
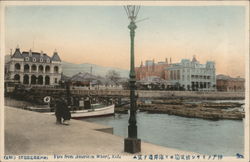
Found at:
[56, 69]
[17, 66]
[34, 59]
[26, 58]
[41, 59]
[55, 80]
[178, 74]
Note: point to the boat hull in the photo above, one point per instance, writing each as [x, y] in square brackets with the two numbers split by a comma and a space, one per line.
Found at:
[95, 116]
[78, 114]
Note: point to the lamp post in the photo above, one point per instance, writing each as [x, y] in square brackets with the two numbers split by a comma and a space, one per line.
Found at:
[132, 144]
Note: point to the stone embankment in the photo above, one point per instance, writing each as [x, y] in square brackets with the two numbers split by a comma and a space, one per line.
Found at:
[204, 110]
[197, 95]
[209, 95]
[193, 112]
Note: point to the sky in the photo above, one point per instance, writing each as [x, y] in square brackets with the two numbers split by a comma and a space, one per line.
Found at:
[99, 34]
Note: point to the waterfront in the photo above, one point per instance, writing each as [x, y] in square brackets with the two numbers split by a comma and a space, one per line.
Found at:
[225, 137]
[80, 138]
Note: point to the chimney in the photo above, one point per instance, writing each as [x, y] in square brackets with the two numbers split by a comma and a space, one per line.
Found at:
[55, 51]
[166, 60]
[30, 53]
[41, 54]
[170, 60]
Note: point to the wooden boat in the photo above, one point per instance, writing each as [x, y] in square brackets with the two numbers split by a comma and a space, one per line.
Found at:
[96, 110]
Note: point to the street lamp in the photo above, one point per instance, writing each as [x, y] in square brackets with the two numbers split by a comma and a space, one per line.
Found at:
[132, 144]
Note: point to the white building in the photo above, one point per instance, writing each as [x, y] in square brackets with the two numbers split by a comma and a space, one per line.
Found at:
[33, 68]
[191, 75]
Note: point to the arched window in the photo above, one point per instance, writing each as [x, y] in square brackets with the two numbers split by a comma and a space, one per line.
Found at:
[40, 80]
[47, 80]
[26, 79]
[26, 68]
[34, 59]
[47, 69]
[17, 66]
[40, 68]
[17, 77]
[33, 79]
[56, 69]
[33, 67]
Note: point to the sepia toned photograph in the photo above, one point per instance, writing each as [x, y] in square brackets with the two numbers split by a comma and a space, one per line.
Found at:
[120, 81]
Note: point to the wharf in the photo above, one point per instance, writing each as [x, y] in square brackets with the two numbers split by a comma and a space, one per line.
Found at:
[32, 133]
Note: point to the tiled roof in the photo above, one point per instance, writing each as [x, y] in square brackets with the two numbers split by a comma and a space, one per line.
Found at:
[194, 59]
[39, 57]
[83, 77]
[17, 54]
[86, 77]
[55, 57]
[36, 55]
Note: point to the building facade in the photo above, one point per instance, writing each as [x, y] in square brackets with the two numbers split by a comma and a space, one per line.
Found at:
[151, 69]
[229, 84]
[191, 75]
[33, 68]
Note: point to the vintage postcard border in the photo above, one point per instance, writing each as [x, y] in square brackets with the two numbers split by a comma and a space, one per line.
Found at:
[147, 3]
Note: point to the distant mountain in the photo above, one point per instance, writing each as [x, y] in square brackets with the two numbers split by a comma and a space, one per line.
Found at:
[70, 69]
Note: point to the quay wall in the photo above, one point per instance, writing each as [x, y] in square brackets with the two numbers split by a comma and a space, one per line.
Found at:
[191, 94]
[145, 93]
[141, 94]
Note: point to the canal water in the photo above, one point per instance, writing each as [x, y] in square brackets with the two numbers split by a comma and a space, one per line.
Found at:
[223, 137]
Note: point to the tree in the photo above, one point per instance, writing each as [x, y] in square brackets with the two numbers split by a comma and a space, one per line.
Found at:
[113, 76]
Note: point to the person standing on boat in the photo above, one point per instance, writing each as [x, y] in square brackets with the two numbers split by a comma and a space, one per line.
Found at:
[62, 112]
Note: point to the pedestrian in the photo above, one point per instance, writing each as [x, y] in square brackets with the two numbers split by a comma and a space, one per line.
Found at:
[66, 113]
[62, 112]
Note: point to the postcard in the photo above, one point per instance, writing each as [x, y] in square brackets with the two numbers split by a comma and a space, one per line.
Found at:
[124, 81]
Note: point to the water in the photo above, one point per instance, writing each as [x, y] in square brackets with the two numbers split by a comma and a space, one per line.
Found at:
[224, 137]
[216, 101]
